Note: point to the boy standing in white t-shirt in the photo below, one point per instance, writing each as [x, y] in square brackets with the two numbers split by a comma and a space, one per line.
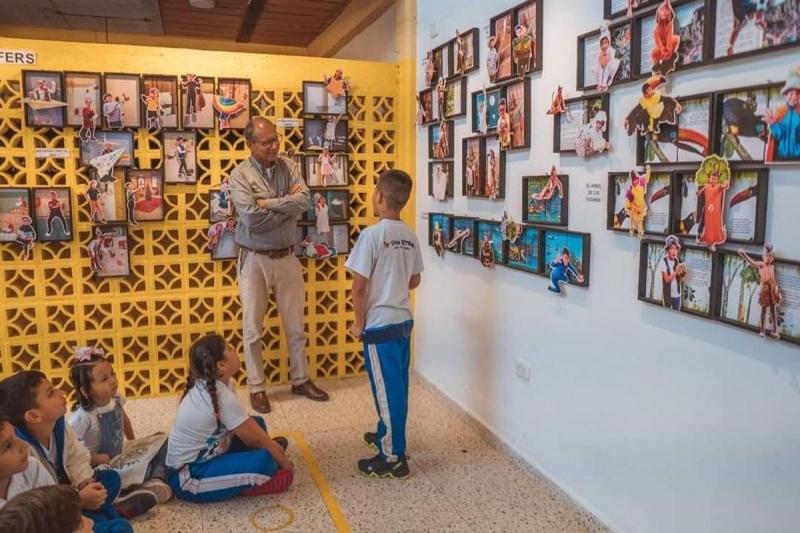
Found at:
[386, 263]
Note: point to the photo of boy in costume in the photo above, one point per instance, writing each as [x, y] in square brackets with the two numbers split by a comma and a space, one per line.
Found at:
[635, 203]
[607, 61]
[523, 50]
[713, 179]
[654, 108]
[673, 273]
[26, 236]
[664, 54]
[88, 116]
[769, 296]
[784, 123]
[154, 111]
[562, 271]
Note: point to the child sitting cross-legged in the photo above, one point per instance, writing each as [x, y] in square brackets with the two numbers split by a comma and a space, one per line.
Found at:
[216, 451]
[49, 509]
[101, 424]
[37, 409]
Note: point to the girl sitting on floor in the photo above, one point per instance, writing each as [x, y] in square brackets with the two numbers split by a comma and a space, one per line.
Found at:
[215, 450]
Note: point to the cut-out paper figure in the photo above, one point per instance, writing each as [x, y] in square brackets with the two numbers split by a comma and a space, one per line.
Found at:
[92, 195]
[429, 68]
[558, 105]
[104, 163]
[180, 153]
[441, 90]
[509, 229]
[664, 54]
[321, 214]
[562, 271]
[26, 237]
[113, 109]
[503, 125]
[326, 169]
[591, 137]
[438, 239]
[56, 209]
[654, 108]
[192, 85]
[487, 256]
[440, 179]
[483, 115]
[607, 61]
[495, 44]
[459, 54]
[131, 189]
[784, 123]
[227, 106]
[99, 247]
[337, 85]
[673, 273]
[492, 175]
[635, 202]
[87, 113]
[330, 130]
[523, 49]
[553, 184]
[713, 179]
[215, 231]
[154, 112]
[442, 148]
[743, 12]
[769, 295]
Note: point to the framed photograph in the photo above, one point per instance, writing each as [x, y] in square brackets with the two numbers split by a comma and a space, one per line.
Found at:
[221, 241]
[106, 198]
[428, 111]
[338, 175]
[144, 195]
[445, 52]
[523, 254]
[109, 252]
[318, 101]
[489, 235]
[180, 156]
[84, 107]
[122, 104]
[689, 24]
[526, 47]
[197, 101]
[437, 55]
[440, 180]
[590, 47]
[783, 141]
[688, 141]
[440, 140]
[159, 102]
[583, 128]
[16, 219]
[473, 166]
[691, 290]
[518, 107]
[748, 28]
[220, 205]
[743, 299]
[439, 230]
[44, 99]
[545, 199]
[319, 132]
[495, 169]
[658, 216]
[336, 201]
[466, 52]
[619, 8]
[106, 142]
[486, 109]
[464, 236]
[232, 103]
[325, 245]
[498, 60]
[745, 213]
[53, 214]
[455, 98]
[740, 132]
[566, 258]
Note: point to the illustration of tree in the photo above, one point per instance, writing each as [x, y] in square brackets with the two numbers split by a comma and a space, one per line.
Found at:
[653, 256]
[733, 265]
[750, 282]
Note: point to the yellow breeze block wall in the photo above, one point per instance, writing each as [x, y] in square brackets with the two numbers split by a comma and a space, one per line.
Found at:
[176, 292]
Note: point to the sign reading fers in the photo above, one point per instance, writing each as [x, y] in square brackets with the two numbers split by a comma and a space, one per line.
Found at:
[18, 57]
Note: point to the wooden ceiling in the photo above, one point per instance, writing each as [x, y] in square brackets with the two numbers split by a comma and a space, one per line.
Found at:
[280, 22]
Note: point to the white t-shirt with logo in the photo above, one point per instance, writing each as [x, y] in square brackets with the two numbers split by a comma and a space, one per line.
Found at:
[194, 436]
[34, 476]
[387, 254]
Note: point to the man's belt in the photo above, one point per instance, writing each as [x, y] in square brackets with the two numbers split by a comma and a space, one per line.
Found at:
[272, 254]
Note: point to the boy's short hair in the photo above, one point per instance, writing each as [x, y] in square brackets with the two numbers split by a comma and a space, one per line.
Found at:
[395, 185]
[18, 395]
[51, 509]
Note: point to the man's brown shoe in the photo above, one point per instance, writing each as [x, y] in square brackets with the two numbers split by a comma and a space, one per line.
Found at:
[310, 391]
[260, 402]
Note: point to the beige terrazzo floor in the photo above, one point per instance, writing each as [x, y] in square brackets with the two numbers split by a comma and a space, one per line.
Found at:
[459, 482]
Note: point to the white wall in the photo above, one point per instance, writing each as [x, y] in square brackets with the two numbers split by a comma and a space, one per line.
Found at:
[375, 43]
[655, 421]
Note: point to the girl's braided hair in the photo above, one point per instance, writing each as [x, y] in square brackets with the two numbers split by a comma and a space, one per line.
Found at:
[204, 355]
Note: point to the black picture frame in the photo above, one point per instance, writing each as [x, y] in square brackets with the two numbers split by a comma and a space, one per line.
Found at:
[605, 105]
[450, 178]
[220, 216]
[442, 218]
[516, 250]
[165, 120]
[224, 247]
[513, 15]
[207, 96]
[309, 217]
[41, 223]
[459, 90]
[15, 196]
[551, 247]
[621, 76]
[650, 257]
[684, 222]
[151, 174]
[492, 113]
[726, 109]
[473, 36]
[562, 219]
[490, 143]
[341, 135]
[493, 226]
[714, 7]
[340, 160]
[338, 230]
[51, 112]
[524, 113]
[113, 227]
[429, 105]
[128, 119]
[468, 246]
[610, 13]
[170, 159]
[239, 120]
[615, 211]
[432, 150]
[467, 146]
[688, 146]
[73, 111]
[88, 149]
[320, 109]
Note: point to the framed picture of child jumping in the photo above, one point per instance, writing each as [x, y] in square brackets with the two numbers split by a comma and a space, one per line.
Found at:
[121, 103]
[180, 156]
[83, 102]
[53, 214]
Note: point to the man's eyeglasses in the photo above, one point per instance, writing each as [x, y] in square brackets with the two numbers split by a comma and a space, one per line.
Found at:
[273, 141]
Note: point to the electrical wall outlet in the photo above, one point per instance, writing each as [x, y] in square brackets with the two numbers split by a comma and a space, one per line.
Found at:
[522, 369]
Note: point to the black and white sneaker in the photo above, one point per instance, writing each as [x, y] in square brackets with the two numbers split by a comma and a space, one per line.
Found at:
[135, 503]
[371, 440]
[380, 467]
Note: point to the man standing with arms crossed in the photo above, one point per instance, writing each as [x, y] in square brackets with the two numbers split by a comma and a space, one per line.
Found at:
[269, 194]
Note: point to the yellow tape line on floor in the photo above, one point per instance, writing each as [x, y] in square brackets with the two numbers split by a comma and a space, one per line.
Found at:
[337, 516]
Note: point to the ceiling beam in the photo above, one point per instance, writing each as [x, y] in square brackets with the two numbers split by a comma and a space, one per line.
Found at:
[255, 8]
[351, 21]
